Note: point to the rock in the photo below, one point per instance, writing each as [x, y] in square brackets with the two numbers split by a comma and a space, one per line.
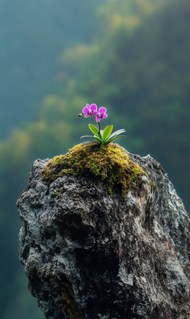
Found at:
[94, 254]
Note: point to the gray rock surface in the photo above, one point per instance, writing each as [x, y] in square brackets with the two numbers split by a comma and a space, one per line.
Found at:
[90, 255]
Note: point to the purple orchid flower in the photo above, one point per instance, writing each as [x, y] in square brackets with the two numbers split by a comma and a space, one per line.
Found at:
[105, 136]
[90, 110]
[101, 114]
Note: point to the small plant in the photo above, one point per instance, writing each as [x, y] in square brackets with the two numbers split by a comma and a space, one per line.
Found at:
[101, 136]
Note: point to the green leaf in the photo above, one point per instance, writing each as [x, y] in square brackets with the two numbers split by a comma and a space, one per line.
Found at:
[109, 140]
[94, 129]
[116, 133]
[101, 134]
[98, 139]
[87, 136]
[107, 131]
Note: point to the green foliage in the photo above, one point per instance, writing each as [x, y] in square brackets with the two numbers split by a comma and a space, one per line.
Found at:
[94, 130]
[104, 137]
[107, 132]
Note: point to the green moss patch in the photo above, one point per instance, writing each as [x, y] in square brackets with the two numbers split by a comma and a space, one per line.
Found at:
[109, 164]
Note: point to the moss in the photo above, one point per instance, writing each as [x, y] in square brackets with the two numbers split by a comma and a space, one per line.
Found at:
[109, 164]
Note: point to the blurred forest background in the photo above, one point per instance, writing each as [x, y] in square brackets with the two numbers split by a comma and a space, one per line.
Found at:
[131, 56]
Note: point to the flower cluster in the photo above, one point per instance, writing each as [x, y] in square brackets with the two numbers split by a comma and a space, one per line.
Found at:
[105, 136]
[92, 110]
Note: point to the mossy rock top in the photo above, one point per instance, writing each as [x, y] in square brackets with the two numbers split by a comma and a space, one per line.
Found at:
[109, 164]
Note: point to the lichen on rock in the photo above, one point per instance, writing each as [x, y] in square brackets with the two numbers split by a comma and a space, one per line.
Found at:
[90, 253]
[109, 164]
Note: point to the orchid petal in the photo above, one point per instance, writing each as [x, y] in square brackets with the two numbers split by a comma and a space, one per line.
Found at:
[98, 118]
[93, 107]
[85, 110]
[102, 109]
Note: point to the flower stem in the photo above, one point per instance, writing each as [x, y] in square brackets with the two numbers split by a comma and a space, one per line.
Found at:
[99, 127]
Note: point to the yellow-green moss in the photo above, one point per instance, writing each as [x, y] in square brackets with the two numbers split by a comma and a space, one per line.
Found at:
[109, 164]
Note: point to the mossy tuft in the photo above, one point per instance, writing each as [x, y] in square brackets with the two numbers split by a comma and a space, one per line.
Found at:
[109, 164]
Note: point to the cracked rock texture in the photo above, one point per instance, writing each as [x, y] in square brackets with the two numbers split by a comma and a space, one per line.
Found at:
[90, 255]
